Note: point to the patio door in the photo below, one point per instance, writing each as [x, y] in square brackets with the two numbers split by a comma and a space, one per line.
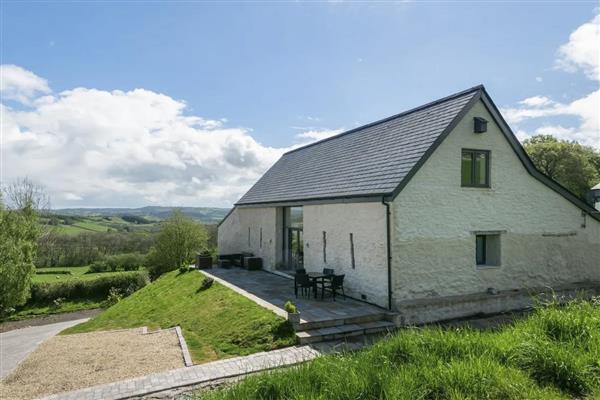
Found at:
[295, 249]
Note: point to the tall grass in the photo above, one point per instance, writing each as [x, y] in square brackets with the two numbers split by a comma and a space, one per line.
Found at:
[553, 354]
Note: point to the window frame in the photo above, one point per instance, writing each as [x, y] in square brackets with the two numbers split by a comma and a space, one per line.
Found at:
[488, 162]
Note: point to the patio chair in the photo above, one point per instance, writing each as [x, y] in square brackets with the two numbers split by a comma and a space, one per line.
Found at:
[328, 271]
[305, 284]
[334, 284]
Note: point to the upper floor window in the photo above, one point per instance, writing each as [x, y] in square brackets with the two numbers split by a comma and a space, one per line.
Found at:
[475, 168]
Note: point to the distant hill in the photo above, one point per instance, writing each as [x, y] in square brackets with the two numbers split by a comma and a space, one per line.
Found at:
[207, 215]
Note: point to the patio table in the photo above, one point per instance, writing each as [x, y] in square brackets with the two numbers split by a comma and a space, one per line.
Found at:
[319, 278]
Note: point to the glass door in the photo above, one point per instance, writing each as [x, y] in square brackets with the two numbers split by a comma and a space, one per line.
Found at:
[295, 249]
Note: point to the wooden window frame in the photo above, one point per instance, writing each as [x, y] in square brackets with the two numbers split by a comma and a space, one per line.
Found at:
[488, 162]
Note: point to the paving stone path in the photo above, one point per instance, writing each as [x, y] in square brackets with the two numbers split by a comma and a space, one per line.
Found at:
[192, 376]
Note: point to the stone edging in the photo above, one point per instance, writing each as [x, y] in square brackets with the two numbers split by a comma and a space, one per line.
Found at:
[201, 374]
[187, 359]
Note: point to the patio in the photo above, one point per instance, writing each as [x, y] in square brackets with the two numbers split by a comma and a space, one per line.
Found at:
[273, 291]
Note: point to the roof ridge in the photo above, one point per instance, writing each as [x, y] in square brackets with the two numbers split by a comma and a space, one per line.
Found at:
[387, 119]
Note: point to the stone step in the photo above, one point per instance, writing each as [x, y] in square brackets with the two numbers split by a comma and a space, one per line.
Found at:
[328, 323]
[343, 331]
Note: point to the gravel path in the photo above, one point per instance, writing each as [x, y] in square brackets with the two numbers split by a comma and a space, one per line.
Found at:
[71, 362]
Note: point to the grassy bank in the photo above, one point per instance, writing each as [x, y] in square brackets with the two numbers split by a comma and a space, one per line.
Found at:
[216, 322]
[554, 354]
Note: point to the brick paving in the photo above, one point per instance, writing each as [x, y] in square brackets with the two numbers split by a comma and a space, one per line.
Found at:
[192, 376]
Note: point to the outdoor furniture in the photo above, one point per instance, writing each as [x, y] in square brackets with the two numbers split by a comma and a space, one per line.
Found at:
[318, 278]
[224, 263]
[334, 284]
[328, 271]
[244, 259]
[305, 283]
[253, 263]
[203, 261]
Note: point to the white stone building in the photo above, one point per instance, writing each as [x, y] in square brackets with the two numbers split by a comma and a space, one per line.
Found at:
[434, 213]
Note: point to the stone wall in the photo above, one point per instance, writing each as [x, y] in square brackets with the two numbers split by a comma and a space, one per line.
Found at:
[366, 222]
[242, 229]
[544, 239]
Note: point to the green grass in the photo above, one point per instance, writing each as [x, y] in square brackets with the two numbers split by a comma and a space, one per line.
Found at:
[553, 354]
[37, 310]
[216, 322]
[76, 273]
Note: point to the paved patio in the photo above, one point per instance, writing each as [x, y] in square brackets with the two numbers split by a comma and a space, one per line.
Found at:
[272, 291]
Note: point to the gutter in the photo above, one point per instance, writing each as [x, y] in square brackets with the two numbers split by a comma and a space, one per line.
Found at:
[389, 251]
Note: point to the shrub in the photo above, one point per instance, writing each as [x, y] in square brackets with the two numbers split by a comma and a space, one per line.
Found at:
[206, 283]
[290, 307]
[45, 292]
[57, 303]
[114, 296]
[98, 266]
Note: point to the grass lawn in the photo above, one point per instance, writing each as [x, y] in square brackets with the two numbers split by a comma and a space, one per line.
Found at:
[216, 322]
[76, 273]
[553, 354]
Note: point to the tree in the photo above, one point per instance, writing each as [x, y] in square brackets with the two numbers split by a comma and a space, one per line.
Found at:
[19, 231]
[178, 241]
[574, 166]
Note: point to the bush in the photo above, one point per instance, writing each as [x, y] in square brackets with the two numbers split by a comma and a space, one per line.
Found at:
[126, 262]
[57, 272]
[46, 292]
[114, 296]
[290, 307]
[206, 283]
[98, 266]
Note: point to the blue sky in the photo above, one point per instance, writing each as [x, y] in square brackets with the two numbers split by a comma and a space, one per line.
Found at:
[272, 74]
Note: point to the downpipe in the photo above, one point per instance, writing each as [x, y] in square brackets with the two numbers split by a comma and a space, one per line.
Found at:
[389, 251]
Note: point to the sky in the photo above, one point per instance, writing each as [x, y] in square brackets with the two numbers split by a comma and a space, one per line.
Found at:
[127, 104]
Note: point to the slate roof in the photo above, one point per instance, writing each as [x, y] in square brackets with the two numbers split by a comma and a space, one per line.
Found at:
[371, 160]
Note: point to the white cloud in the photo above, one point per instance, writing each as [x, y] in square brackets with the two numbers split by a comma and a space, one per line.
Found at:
[582, 51]
[119, 148]
[314, 135]
[72, 196]
[585, 109]
[539, 79]
[536, 101]
[19, 84]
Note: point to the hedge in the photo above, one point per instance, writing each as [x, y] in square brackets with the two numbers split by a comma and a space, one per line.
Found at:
[55, 272]
[127, 282]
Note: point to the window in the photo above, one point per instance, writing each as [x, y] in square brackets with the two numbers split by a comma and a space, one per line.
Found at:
[487, 250]
[475, 168]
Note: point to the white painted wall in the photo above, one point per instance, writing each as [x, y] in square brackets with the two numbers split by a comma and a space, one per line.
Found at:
[433, 247]
[366, 221]
[233, 234]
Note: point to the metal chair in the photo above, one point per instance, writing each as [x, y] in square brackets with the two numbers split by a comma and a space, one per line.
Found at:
[303, 282]
[334, 284]
[328, 271]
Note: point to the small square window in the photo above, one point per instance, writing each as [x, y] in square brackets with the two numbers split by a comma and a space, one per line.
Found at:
[475, 168]
[487, 250]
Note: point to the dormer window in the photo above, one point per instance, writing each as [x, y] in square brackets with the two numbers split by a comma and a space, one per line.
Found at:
[475, 168]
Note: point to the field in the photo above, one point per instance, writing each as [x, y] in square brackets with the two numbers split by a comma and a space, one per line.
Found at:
[553, 354]
[76, 273]
[75, 224]
[216, 322]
